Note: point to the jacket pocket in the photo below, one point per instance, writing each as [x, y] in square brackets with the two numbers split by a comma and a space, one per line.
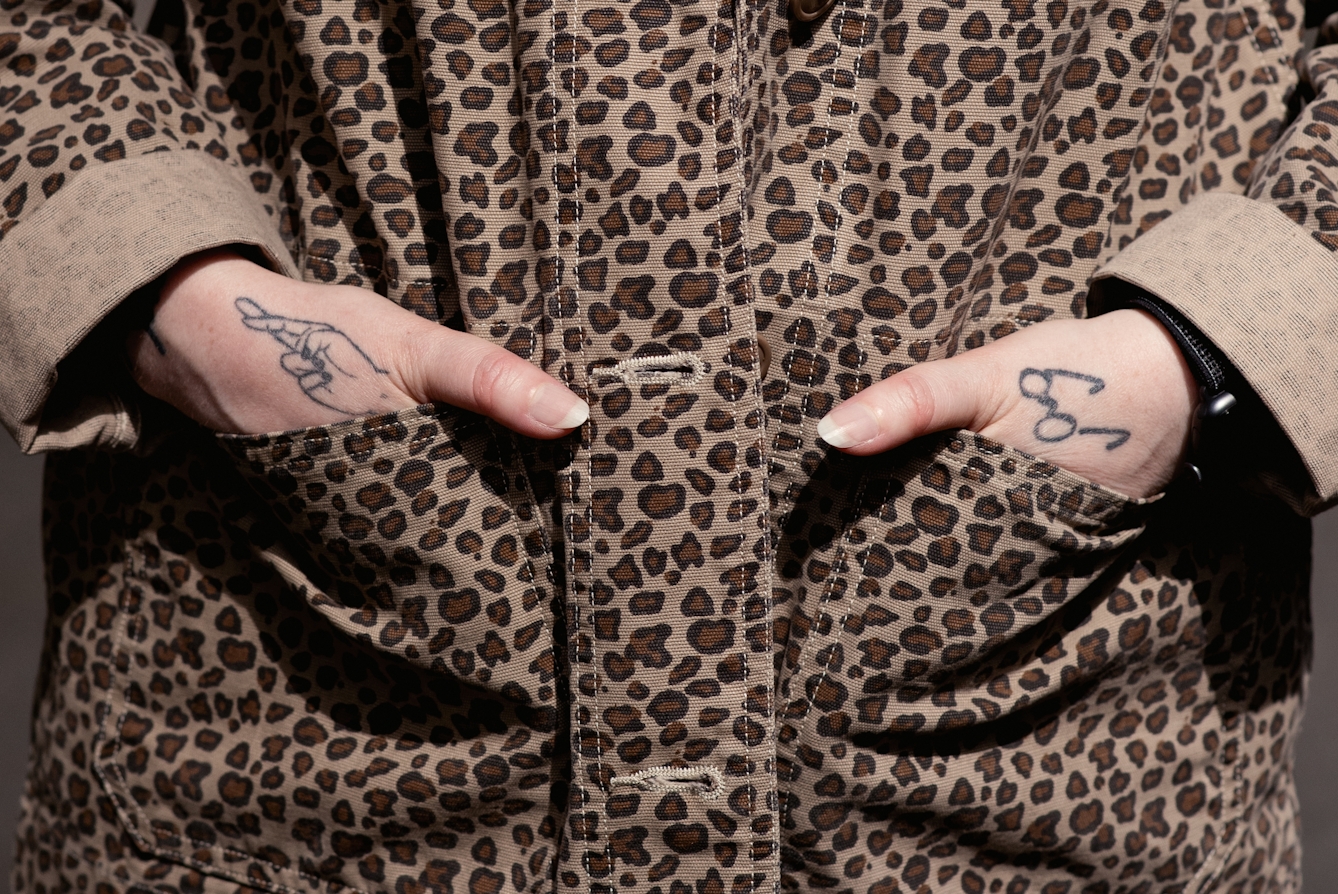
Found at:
[928, 592]
[415, 527]
[336, 663]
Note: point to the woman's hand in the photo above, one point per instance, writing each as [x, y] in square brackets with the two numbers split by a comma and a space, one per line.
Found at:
[240, 349]
[1109, 398]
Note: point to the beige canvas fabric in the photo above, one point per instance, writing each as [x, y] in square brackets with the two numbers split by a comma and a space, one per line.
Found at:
[69, 250]
[1274, 322]
[687, 649]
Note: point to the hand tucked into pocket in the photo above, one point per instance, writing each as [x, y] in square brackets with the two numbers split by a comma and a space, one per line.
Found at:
[1109, 398]
[243, 350]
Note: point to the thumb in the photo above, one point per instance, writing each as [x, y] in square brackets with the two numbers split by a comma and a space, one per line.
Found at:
[952, 393]
[468, 372]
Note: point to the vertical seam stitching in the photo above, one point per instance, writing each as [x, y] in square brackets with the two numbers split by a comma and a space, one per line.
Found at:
[578, 752]
[806, 649]
[586, 387]
[742, 67]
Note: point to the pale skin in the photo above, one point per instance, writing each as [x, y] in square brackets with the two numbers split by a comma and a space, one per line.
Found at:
[242, 350]
[1109, 398]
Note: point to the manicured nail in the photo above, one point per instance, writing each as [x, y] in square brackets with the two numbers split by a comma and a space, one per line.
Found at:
[556, 407]
[849, 425]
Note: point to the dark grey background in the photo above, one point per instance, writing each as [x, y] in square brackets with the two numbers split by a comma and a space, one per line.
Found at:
[22, 607]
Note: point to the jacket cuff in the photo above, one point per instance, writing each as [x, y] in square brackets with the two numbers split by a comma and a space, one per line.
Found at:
[1266, 295]
[68, 265]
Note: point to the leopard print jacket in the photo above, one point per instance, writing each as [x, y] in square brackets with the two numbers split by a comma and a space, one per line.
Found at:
[686, 650]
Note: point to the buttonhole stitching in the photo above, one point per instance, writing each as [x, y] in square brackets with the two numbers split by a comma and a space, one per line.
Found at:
[706, 781]
[682, 368]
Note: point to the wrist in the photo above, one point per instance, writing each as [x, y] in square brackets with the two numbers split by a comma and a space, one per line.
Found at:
[178, 319]
[1212, 373]
[203, 276]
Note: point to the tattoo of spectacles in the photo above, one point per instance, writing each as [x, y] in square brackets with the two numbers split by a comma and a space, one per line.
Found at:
[1056, 425]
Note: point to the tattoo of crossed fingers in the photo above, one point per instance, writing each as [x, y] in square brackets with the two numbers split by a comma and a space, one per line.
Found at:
[330, 368]
[1057, 425]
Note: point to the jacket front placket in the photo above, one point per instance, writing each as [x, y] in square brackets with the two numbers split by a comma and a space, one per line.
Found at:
[637, 108]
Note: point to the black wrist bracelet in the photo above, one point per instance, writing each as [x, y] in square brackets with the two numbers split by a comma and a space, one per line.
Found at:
[1208, 365]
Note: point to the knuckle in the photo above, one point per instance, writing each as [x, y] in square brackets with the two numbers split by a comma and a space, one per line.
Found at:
[920, 398]
[494, 374]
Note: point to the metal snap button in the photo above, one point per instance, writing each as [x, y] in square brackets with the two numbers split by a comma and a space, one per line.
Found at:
[808, 10]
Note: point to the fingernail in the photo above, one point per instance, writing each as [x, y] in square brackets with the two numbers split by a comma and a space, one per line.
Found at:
[556, 407]
[849, 425]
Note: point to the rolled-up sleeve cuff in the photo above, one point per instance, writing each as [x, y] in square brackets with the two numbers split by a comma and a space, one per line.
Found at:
[112, 230]
[1266, 294]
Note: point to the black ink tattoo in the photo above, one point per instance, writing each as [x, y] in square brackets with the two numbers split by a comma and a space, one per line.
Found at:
[1056, 425]
[153, 336]
[325, 362]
